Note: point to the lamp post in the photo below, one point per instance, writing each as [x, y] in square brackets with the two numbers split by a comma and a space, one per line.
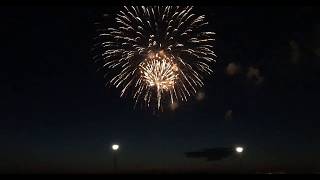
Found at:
[239, 151]
[115, 148]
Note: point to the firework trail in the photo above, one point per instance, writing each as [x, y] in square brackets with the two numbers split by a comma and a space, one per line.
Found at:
[157, 54]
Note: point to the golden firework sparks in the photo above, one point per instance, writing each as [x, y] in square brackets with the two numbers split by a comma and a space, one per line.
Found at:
[161, 72]
[157, 53]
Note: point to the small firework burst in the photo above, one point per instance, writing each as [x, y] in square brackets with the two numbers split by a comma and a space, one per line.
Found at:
[161, 73]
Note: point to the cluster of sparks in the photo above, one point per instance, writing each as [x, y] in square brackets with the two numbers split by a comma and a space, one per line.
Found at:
[159, 54]
[160, 72]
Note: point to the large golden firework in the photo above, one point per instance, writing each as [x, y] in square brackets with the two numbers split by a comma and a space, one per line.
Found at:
[157, 54]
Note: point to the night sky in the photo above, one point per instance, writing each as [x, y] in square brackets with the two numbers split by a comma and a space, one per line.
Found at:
[57, 115]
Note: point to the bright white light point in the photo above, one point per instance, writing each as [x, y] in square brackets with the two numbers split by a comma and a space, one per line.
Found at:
[115, 147]
[239, 149]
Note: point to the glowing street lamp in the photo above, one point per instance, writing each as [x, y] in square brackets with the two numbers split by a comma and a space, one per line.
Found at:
[239, 149]
[115, 148]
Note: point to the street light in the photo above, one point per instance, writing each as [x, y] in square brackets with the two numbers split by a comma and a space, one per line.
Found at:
[115, 148]
[239, 149]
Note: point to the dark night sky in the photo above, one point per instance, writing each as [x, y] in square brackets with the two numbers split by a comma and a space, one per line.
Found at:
[58, 116]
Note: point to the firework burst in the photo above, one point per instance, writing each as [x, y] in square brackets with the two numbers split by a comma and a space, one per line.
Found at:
[157, 54]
